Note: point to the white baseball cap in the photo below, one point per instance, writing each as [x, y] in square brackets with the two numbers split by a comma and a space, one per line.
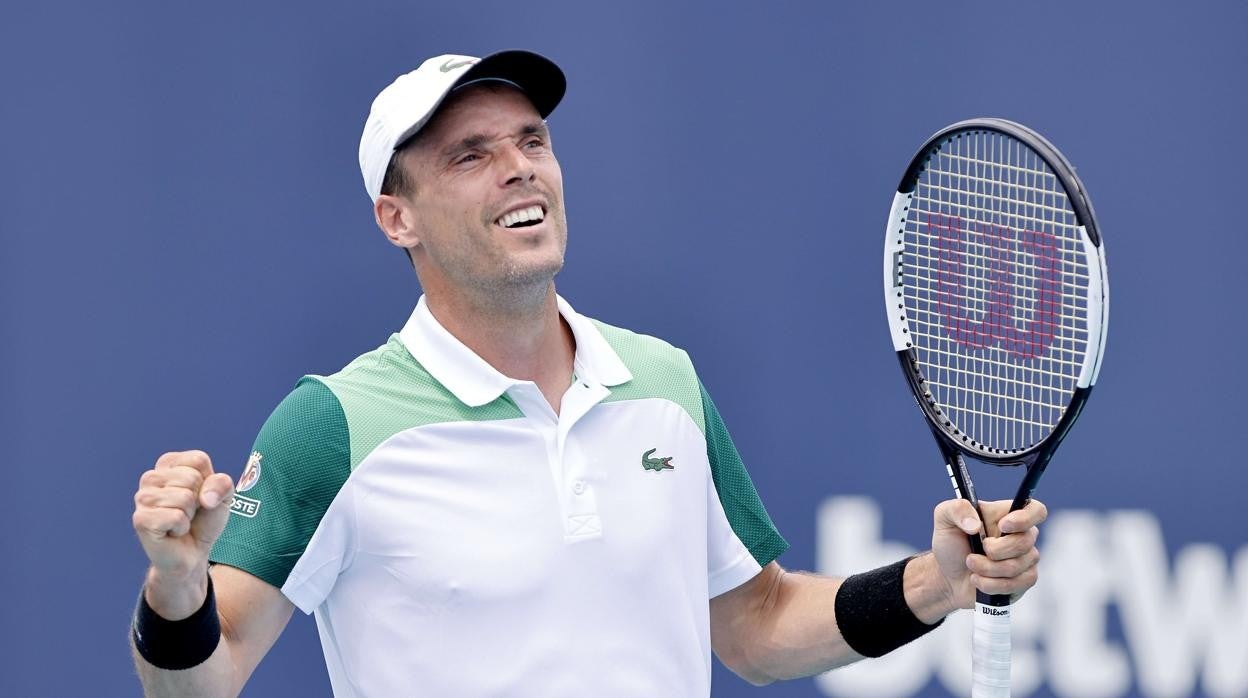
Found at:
[408, 103]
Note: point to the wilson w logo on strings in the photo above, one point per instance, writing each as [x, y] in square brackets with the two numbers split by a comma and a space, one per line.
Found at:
[996, 286]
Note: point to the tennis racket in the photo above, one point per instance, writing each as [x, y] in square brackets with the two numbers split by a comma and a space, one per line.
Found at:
[998, 303]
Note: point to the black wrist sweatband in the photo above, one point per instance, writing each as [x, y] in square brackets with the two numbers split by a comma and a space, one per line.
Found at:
[872, 614]
[176, 644]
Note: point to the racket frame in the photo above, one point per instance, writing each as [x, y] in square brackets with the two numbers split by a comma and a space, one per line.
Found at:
[951, 439]
[991, 635]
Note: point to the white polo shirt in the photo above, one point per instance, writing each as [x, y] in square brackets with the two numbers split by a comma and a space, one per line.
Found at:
[455, 537]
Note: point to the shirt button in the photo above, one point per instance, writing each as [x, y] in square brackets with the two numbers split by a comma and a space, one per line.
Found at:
[579, 487]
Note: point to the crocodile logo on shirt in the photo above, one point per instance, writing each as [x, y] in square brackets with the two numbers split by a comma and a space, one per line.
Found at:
[656, 464]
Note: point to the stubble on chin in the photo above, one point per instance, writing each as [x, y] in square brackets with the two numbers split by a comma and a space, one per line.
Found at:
[502, 278]
[524, 284]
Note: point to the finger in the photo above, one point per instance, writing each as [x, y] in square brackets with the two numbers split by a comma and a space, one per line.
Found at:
[152, 478]
[1002, 569]
[181, 498]
[956, 514]
[185, 483]
[218, 491]
[159, 522]
[993, 512]
[1011, 544]
[183, 476]
[190, 459]
[1031, 515]
[1011, 586]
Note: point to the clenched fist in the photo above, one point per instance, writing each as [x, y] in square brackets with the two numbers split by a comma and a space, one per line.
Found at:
[1009, 562]
[179, 511]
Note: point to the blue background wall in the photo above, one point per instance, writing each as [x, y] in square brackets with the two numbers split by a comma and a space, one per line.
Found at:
[185, 233]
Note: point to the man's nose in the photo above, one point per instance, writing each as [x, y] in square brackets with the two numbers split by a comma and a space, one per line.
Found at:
[516, 166]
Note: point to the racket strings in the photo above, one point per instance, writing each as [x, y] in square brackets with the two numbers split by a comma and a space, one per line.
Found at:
[1039, 207]
[994, 279]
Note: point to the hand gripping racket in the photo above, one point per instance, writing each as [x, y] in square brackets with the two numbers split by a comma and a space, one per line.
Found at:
[997, 299]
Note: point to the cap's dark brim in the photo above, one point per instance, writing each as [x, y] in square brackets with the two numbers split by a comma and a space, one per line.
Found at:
[537, 76]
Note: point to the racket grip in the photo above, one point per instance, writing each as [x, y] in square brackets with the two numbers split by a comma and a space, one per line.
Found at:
[990, 629]
[990, 651]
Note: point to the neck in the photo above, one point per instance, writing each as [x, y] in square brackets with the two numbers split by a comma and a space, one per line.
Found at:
[525, 341]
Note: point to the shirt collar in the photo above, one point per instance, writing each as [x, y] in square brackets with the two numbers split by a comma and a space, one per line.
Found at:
[475, 383]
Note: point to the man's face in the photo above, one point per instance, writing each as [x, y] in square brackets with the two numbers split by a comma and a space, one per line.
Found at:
[488, 199]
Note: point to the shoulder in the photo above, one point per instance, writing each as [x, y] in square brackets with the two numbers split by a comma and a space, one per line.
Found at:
[387, 391]
[647, 356]
[386, 381]
[386, 364]
[659, 370]
[313, 422]
[317, 407]
[310, 417]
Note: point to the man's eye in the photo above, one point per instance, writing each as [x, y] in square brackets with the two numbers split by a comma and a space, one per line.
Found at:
[535, 143]
[466, 158]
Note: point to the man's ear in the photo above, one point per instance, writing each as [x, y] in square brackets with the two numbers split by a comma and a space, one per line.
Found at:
[397, 219]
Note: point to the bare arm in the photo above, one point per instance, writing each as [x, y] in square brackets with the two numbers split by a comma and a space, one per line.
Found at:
[253, 614]
[782, 625]
[180, 510]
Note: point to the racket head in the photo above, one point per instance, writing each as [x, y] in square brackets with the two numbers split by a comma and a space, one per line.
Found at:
[996, 289]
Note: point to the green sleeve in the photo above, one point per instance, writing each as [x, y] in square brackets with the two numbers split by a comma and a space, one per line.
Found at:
[737, 495]
[303, 454]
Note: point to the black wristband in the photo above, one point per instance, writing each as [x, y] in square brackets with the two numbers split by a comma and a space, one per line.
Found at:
[872, 614]
[176, 644]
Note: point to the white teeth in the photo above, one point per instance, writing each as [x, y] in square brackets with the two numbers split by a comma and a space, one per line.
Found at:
[532, 213]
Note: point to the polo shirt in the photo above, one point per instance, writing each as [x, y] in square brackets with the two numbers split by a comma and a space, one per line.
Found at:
[454, 536]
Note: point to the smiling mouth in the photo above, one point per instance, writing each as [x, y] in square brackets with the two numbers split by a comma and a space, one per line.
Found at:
[522, 217]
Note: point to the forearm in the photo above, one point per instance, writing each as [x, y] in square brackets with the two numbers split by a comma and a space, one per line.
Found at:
[782, 625]
[792, 629]
[213, 678]
[798, 635]
[177, 599]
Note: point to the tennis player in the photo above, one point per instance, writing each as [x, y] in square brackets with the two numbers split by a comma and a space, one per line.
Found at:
[508, 497]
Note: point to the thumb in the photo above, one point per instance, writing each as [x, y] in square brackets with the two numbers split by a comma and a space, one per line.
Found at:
[957, 514]
[215, 497]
